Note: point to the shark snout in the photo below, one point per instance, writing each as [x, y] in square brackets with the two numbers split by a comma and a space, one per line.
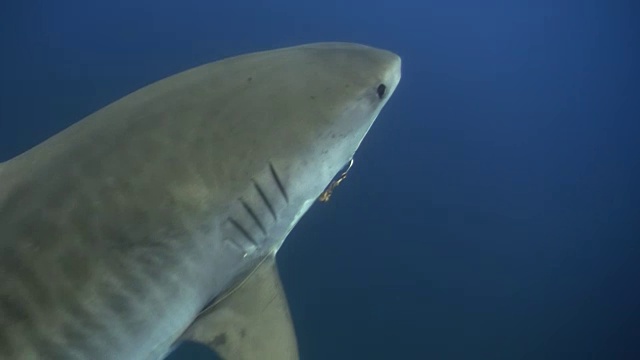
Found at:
[392, 71]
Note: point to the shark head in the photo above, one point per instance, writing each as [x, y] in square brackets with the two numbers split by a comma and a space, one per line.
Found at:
[328, 95]
[351, 84]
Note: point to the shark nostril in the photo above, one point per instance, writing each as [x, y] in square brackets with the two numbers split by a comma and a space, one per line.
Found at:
[382, 88]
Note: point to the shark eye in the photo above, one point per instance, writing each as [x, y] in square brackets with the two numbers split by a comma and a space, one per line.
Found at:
[382, 88]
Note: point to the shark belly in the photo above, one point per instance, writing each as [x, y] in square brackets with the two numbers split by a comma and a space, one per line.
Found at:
[97, 274]
[75, 295]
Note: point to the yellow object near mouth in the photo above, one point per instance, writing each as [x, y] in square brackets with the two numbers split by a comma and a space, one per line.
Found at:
[326, 194]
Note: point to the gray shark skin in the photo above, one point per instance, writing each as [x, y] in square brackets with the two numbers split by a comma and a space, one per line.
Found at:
[116, 232]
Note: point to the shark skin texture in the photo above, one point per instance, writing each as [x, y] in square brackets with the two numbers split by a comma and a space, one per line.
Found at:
[157, 218]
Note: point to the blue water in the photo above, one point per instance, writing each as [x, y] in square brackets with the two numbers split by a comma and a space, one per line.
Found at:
[492, 212]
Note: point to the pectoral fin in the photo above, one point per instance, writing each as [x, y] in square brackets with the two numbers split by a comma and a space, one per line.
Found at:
[253, 322]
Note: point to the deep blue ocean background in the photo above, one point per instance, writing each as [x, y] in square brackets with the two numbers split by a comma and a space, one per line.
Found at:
[492, 212]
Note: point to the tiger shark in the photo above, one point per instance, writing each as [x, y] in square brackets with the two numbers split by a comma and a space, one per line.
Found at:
[157, 219]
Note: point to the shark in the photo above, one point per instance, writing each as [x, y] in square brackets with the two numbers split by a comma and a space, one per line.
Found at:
[157, 219]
